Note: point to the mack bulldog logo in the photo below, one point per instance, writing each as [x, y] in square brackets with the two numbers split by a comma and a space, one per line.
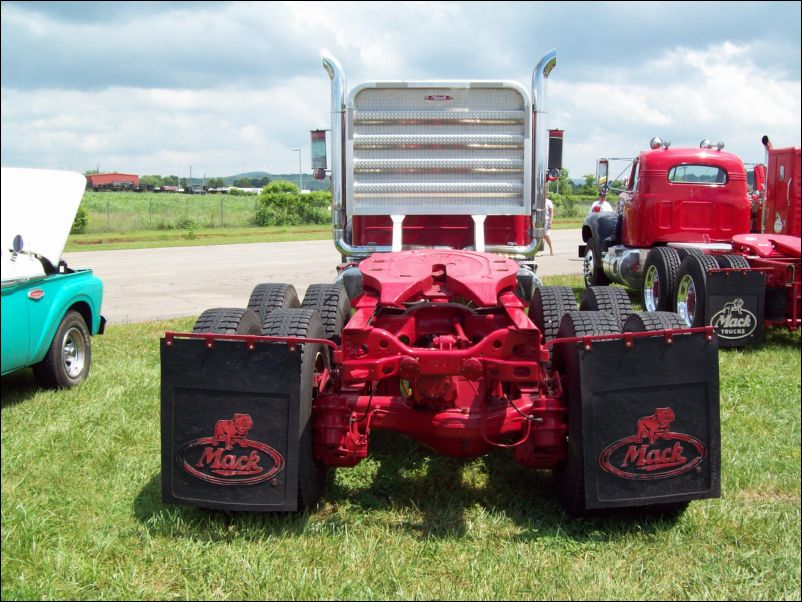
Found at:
[654, 452]
[216, 460]
[733, 321]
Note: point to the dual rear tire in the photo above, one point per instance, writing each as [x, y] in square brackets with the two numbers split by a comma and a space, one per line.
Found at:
[274, 310]
[285, 322]
[691, 295]
[569, 477]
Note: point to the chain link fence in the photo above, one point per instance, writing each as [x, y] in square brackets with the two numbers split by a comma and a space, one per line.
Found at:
[131, 211]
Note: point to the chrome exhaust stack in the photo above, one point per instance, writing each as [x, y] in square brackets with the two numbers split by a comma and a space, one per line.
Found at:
[539, 76]
[338, 171]
[337, 75]
[540, 161]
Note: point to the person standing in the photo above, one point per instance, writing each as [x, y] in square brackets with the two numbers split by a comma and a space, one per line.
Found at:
[601, 204]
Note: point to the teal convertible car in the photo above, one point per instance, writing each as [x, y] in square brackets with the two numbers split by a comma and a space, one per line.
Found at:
[49, 311]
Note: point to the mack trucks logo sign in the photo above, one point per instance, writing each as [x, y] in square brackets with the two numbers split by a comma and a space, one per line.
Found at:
[439, 97]
[654, 452]
[733, 321]
[229, 457]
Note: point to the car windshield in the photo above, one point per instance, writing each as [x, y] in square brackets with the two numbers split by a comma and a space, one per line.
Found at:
[697, 174]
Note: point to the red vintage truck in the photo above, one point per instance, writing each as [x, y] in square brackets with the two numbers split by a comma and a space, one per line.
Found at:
[435, 329]
[688, 235]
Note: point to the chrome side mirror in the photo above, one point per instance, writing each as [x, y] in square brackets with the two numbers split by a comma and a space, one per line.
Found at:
[319, 163]
[602, 171]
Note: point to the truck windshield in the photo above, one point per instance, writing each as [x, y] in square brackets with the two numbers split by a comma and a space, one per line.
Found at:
[697, 174]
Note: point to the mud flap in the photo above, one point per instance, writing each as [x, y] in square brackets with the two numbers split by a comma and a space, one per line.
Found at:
[735, 306]
[650, 421]
[229, 424]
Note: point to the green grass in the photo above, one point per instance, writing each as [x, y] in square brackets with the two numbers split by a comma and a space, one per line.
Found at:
[82, 516]
[132, 220]
[135, 211]
[191, 238]
[211, 236]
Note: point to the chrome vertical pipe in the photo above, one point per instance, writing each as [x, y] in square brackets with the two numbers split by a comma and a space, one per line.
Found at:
[337, 75]
[541, 143]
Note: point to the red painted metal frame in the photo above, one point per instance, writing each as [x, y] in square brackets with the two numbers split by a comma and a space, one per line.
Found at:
[461, 377]
[455, 231]
[480, 413]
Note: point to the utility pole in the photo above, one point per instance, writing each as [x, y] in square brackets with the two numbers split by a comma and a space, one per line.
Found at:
[300, 173]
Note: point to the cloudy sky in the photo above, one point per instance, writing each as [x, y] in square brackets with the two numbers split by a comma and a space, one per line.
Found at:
[228, 87]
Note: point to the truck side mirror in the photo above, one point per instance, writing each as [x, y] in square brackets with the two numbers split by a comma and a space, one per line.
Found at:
[555, 149]
[17, 244]
[602, 169]
[319, 154]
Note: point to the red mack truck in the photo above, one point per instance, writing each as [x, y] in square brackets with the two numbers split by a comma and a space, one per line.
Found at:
[690, 238]
[437, 327]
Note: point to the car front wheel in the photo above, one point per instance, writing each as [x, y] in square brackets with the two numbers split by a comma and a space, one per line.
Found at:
[67, 361]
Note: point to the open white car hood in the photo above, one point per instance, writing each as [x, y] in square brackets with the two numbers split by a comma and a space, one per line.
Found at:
[40, 206]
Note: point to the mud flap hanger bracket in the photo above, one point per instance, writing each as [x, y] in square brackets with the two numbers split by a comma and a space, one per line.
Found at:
[629, 337]
[249, 339]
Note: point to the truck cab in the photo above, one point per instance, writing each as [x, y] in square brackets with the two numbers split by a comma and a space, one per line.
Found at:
[692, 238]
[684, 195]
[692, 197]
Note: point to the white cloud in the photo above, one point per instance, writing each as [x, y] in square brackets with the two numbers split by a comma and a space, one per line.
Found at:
[233, 86]
[685, 95]
[219, 131]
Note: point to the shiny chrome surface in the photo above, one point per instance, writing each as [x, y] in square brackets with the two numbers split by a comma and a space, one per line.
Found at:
[451, 159]
[686, 299]
[73, 354]
[651, 289]
[337, 75]
[623, 265]
[541, 144]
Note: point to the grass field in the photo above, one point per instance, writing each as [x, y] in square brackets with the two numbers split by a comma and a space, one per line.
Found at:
[82, 516]
[131, 220]
[136, 211]
[213, 236]
[183, 238]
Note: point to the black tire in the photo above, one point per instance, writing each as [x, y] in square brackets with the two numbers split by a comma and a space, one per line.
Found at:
[684, 252]
[549, 304]
[690, 293]
[228, 320]
[592, 270]
[69, 357]
[569, 478]
[732, 261]
[612, 299]
[269, 297]
[332, 304]
[659, 279]
[304, 323]
[649, 321]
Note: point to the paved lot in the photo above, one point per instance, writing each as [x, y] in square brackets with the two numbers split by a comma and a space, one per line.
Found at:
[152, 284]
